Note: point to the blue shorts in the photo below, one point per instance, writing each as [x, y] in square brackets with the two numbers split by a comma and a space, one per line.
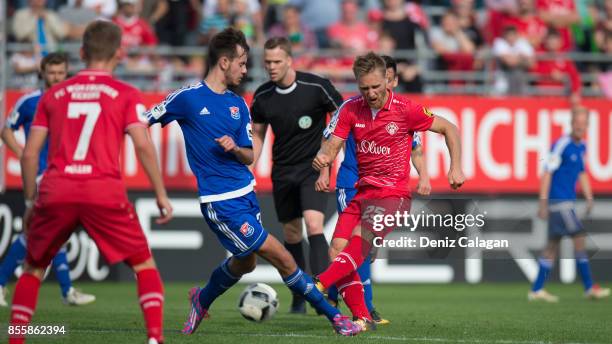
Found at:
[563, 221]
[344, 197]
[237, 224]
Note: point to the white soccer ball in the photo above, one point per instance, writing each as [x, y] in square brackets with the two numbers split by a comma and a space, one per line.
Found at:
[258, 302]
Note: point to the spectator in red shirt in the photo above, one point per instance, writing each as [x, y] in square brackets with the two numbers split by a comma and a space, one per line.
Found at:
[555, 70]
[497, 13]
[560, 14]
[349, 34]
[527, 23]
[136, 31]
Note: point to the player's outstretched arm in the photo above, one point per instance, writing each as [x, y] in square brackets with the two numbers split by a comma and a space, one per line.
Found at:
[418, 161]
[544, 189]
[147, 157]
[587, 191]
[29, 168]
[9, 139]
[327, 153]
[453, 142]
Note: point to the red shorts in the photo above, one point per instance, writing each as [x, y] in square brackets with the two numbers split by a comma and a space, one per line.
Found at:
[113, 226]
[368, 205]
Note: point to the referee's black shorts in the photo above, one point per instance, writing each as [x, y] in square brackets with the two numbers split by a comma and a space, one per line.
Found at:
[294, 191]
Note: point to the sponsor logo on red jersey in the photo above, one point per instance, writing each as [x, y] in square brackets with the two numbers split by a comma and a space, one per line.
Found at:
[371, 147]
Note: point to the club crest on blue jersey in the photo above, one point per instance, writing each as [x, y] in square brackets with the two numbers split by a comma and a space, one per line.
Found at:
[247, 230]
[235, 112]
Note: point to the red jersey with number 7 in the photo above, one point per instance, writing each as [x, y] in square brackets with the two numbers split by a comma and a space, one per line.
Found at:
[87, 117]
[383, 138]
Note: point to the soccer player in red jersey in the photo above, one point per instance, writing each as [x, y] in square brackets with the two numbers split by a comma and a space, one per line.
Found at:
[382, 124]
[86, 118]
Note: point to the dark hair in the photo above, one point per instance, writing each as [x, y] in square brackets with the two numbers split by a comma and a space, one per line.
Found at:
[224, 44]
[368, 63]
[53, 59]
[101, 40]
[278, 42]
[390, 63]
[552, 32]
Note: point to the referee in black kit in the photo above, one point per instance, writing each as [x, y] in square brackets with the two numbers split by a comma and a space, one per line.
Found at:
[296, 105]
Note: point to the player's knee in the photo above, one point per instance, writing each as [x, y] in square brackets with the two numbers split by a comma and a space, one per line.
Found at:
[579, 243]
[334, 249]
[141, 261]
[549, 254]
[35, 271]
[314, 225]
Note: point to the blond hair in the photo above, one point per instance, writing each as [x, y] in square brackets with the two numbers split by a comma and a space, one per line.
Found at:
[368, 63]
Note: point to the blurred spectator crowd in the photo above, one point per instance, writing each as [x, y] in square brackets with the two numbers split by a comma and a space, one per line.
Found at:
[514, 46]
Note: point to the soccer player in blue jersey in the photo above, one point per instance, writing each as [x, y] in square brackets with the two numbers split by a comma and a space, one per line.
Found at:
[345, 191]
[53, 69]
[564, 168]
[216, 126]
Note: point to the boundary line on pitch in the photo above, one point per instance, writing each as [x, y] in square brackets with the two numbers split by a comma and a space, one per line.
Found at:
[376, 337]
[412, 339]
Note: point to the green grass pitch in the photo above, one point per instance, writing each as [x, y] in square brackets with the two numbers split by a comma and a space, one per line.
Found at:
[456, 313]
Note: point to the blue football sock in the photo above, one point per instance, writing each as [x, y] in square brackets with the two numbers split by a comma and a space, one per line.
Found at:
[14, 257]
[332, 293]
[545, 267]
[582, 263]
[301, 283]
[62, 271]
[220, 281]
[364, 272]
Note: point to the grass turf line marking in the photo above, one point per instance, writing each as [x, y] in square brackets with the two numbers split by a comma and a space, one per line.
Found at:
[312, 336]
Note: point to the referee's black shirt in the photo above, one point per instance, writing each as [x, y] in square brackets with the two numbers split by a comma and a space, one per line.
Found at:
[297, 115]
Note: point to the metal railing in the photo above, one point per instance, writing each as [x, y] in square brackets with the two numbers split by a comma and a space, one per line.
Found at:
[435, 80]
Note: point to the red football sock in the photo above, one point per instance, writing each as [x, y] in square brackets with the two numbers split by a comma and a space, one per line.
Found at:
[151, 297]
[345, 262]
[351, 289]
[24, 302]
